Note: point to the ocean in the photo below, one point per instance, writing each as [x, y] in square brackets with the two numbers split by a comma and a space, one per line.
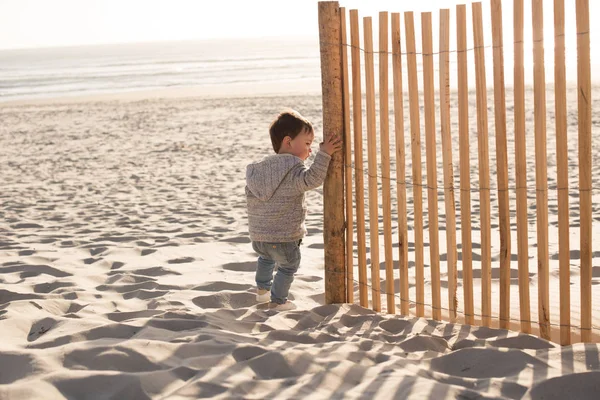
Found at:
[86, 70]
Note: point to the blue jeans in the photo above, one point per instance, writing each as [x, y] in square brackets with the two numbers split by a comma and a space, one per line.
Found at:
[287, 256]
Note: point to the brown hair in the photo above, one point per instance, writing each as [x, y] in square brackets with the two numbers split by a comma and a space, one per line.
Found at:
[288, 123]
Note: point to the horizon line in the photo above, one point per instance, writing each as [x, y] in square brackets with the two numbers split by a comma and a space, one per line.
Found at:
[159, 41]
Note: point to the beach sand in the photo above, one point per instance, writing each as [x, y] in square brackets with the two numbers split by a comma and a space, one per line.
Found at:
[127, 270]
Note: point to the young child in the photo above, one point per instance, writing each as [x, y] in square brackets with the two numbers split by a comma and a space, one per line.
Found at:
[275, 190]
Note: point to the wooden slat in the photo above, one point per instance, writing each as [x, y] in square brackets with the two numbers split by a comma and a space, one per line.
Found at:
[372, 159]
[400, 163]
[384, 126]
[501, 162]
[465, 164]
[348, 164]
[415, 131]
[541, 165]
[484, 168]
[431, 158]
[521, 170]
[358, 160]
[447, 161]
[562, 169]
[584, 103]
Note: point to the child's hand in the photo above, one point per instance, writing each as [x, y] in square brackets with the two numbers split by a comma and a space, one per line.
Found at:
[331, 145]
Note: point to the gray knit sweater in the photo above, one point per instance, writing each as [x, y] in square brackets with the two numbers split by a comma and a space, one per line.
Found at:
[275, 190]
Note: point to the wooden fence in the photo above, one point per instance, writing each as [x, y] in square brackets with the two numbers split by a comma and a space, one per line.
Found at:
[407, 284]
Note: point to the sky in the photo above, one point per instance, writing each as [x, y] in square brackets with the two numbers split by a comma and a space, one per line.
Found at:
[48, 23]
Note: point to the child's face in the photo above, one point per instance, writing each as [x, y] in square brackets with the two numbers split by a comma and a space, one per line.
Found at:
[300, 145]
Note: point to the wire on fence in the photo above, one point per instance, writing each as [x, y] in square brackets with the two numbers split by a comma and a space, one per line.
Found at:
[441, 189]
[439, 52]
[410, 52]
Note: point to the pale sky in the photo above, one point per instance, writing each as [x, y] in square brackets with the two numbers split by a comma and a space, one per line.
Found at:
[42, 23]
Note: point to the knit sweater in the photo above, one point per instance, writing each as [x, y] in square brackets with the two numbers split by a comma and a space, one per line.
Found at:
[275, 190]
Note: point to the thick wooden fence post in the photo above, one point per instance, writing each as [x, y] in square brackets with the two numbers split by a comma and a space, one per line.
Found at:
[333, 123]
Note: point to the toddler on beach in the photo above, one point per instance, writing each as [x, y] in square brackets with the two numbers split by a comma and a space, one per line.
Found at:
[275, 190]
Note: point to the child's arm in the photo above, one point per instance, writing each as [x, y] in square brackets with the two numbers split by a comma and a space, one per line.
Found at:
[313, 177]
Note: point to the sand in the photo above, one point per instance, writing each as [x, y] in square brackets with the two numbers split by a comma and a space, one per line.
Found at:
[127, 273]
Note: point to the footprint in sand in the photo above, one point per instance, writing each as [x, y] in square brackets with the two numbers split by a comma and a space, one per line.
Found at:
[39, 328]
[571, 386]
[240, 266]
[309, 278]
[225, 300]
[26, 226]
[30, 270]
[121, 316]
[396, 284]
[104, 358]
[20, 367]
[6, 296]
[97, 250]
[182, 260]
[155, 271]
[117, 265]
[514, 274]
[219, 286]
[143, 294]
[478, 363]
[49, 287]
[244, 353]
[393, 326]
[239, 239]
[396, 264]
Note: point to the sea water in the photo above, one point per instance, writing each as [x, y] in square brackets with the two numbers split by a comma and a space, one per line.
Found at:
[85, 70]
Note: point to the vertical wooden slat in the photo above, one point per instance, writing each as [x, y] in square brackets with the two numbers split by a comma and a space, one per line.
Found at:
[372, 159]
[430, 150]
[384, 126]
[333, 123]
[465, 164]
[541, 165]
[584, 103]
[562, 169]
[447, 161]
[501, 162]
[521, 169]
[415, 132]
[484, 168]
[400, 163]
[358, 160]
[348, 166]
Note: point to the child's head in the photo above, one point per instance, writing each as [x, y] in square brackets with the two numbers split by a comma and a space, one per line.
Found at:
[291, 133]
